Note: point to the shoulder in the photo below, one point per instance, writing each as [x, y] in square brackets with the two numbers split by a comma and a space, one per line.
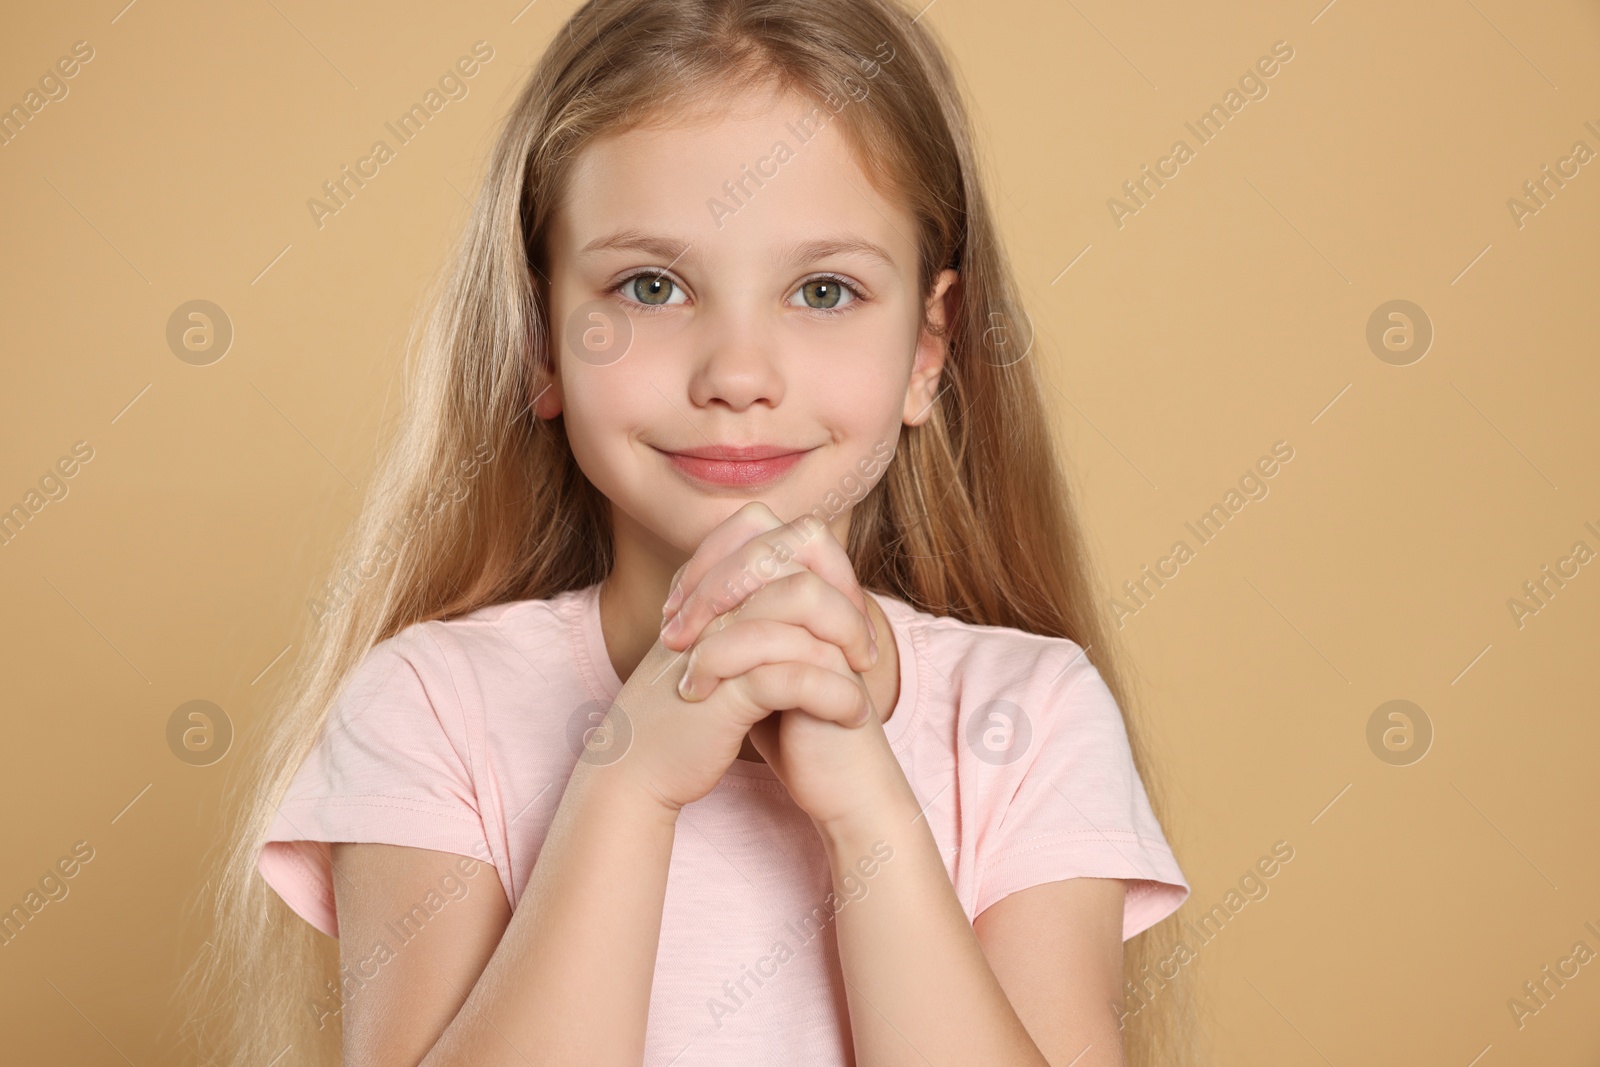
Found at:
[1049, 789]
[966, 659]
[464, 667]
[513, 636]
[997, 703]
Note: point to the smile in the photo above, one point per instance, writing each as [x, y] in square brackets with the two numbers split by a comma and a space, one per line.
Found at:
[715, 468]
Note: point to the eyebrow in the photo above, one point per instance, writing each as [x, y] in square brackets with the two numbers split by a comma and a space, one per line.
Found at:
[675, 248]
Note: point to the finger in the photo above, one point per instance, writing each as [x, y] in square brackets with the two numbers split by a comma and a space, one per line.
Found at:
[709, 601]
[805, 544]
[732, 652]
[815, 690]
[751, 519]
[805, 599]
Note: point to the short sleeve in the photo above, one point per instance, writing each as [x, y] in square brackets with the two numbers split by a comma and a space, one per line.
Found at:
[1078, 808]
[391, 765]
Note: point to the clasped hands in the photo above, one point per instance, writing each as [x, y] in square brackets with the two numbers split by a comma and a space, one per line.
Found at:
[778, 635]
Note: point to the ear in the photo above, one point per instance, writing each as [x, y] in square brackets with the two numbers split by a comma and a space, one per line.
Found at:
[546, 397]
[546, 401]
[932, 350]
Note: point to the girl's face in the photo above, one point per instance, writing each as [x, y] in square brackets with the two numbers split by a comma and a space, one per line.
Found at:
[731, 285]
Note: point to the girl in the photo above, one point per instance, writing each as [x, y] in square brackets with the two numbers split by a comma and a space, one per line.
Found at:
[607, 754]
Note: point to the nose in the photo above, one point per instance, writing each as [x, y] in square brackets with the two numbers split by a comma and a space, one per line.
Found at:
[737, 359]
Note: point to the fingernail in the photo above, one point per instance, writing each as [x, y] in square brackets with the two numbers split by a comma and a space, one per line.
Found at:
[871, 629]
[673, 600]
[672, 626]
[683, 686]
[872, 650]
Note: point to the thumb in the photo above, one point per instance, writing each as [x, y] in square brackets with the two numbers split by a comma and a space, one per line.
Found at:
[677, 576]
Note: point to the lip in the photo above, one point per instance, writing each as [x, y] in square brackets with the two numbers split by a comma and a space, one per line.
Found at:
[737, 466]
[739, 453]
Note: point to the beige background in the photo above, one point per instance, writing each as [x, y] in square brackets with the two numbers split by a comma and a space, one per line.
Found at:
[1229, 313]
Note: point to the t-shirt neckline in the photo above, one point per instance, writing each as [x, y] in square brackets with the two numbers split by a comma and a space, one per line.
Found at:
[897, 612]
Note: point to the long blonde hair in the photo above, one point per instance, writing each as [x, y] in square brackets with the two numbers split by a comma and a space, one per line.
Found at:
[974, 519]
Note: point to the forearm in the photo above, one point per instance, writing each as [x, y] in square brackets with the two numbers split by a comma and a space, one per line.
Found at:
[920, 990]
[582, 939]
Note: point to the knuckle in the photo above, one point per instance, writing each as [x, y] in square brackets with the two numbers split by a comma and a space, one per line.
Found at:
[803, 527]
[756, 516]
[734, 594]
[777, 559]
[763, 685]
[716, 658]
[794, 675]
[825, 654]
[811, 589]
[773, 552]
[787, 587]
[756, 564]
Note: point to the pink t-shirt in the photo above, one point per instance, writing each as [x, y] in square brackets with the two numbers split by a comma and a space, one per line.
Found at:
[460, 736]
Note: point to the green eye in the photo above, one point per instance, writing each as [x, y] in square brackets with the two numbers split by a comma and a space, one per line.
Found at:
[652, 289]
[828, 294]
[822, 293]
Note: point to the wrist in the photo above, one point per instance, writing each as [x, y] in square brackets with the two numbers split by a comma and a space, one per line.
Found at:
[891, 817]
[622, 794]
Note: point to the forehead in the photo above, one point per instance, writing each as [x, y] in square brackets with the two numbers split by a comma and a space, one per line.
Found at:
[775, 172]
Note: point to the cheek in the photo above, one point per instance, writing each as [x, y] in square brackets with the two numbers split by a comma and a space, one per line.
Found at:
[862, 369]
[870, 352]
[852, 405]
[604, 405]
